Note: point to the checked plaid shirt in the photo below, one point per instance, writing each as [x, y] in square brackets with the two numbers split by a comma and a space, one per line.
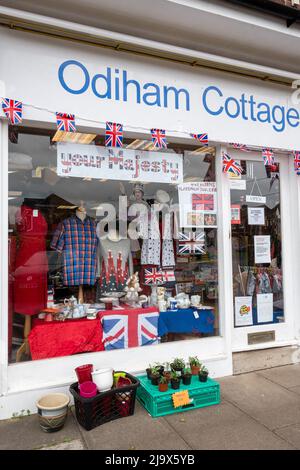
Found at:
[78, 242]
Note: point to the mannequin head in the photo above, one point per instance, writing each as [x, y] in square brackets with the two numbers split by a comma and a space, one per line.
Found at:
[138, 192]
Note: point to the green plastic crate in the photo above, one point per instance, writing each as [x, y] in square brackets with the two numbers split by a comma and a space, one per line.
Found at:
[160, 403]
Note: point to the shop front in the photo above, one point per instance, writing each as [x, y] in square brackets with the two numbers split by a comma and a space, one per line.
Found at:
[127, 246]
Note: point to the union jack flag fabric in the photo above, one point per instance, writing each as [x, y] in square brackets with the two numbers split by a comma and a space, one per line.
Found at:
[231, 166]
[128, 329]
[114, 135]
[12, 110]
[296, 155]
[191, 243]
[159, 138]
[153, 276]
[65, 122]
[268, 157]
[202, 138]
[241, 147]
[203, 202]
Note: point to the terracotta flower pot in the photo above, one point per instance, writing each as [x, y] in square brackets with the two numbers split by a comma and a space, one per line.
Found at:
[162, 387]
[195, 370]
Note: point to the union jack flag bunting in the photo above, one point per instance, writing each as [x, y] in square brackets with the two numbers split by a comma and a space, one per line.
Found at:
[191, 243]
[114, 135]
[231, 166]
[296, 155]
[127, 330]
[12, 110]
[65, 122]
[159, 138]
[268, 157]
[202, 138]
[153, 276]
[203, 202]
[241, 147]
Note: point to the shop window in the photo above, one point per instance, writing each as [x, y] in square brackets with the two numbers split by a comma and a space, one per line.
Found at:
[256, 245]
[109, 248]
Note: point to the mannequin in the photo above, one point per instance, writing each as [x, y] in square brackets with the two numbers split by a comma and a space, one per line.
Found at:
[76, 238]
[115, 262]
[81, 214]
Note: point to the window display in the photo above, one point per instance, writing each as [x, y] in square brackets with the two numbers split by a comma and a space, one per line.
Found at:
[114, 248]
[256, 246]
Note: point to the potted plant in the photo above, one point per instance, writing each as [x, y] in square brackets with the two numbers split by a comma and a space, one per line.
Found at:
[187, 376]
[175, 380]
[195, 365]
[155, 375]
[203, 374]
[167, 371]
[160, 367]
[163, 384]
[178, 365]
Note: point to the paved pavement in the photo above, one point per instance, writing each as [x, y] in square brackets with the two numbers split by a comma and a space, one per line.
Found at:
[259, 410]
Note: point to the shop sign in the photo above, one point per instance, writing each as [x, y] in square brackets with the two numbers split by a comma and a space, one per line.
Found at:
[257, 199]
[92, 161]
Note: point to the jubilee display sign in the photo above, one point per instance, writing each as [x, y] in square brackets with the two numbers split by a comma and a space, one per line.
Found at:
[92, 161]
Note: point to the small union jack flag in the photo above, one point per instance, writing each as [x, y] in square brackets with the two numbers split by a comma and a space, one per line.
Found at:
[268, 157]
[202, 138]
[65, 122]
[12, 110]
[241, 147]
[203, 202]
[159, 138]
[153, 276]
[231, 166]
[296, 154]
[191, 243]
[114, 135]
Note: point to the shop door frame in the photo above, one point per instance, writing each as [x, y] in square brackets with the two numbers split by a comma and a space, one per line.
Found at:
[285, 333]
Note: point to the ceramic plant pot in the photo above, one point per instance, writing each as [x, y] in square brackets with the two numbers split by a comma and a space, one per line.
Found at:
[53, 411]
[103, 378]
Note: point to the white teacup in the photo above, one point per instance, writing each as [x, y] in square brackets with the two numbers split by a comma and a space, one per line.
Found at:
[195, 299]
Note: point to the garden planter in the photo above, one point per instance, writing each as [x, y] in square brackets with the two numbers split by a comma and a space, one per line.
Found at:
[167, 375]
[148, 372]
[162, 387]
[161, 370]
[186, 379]
[203, 377]
[88, 389]
[53, 411]
[178, 370]
[103, 378]
[175, 384]
[155, 379]
[84, 373]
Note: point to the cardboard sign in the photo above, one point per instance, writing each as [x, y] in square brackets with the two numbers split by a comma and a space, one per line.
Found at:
[181, 398]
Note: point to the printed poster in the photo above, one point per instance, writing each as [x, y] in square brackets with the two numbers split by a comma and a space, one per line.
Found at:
[235, 214]
[264, 308]
[256, 215]
[243, 311]
[262, 249]
[198, 204]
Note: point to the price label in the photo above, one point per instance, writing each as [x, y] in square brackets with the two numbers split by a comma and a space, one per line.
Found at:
[181, 398]
[196, 314]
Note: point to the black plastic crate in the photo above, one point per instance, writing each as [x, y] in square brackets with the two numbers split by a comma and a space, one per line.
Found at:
[105, 406]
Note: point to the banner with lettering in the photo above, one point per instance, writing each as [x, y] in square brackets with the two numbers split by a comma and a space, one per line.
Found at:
[92, 161]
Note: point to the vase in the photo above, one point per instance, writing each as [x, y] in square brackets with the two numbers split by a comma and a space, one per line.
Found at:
[103, 378]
